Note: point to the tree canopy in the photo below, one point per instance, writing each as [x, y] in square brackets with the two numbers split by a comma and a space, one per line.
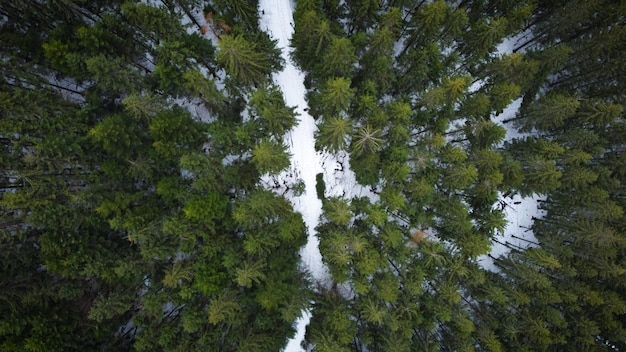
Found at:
[135, 136]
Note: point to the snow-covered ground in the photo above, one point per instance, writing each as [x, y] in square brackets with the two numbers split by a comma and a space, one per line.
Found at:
[519, 211]
[276, 19]
[306, 163]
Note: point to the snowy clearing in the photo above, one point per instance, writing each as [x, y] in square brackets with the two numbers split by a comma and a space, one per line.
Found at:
[276, 19]
[306, 163]
[519, 211]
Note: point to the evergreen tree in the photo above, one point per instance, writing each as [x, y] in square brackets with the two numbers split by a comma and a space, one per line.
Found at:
[333, 134]
[336, 96]
[121, 211]
[243, 61]
[270, 156]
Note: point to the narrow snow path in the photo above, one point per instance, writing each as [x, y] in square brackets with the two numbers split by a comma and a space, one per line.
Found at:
[277, 16]
[277, 20]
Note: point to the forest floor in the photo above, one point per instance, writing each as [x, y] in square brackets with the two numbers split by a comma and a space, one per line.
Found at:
[306, 163]
[519, 211]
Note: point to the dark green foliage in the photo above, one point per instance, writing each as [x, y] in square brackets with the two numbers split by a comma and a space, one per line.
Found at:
[245, 62]
[241, 12]
[134, 221]
[333, 134]
[440, 163]
[131, 221]
[272, 117]
[320, 186]
[270, 156]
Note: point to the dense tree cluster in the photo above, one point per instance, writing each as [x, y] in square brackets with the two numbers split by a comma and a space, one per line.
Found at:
[131, 212]
[133, 136]
[412, 89]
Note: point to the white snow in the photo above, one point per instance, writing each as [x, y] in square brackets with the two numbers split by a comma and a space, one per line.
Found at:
[519, 215]
[509, 44]
[519, 211]
[340, 179]
[306, 163]
[277, 19]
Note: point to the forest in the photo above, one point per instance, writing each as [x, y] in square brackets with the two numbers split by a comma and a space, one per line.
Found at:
[134, 136]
